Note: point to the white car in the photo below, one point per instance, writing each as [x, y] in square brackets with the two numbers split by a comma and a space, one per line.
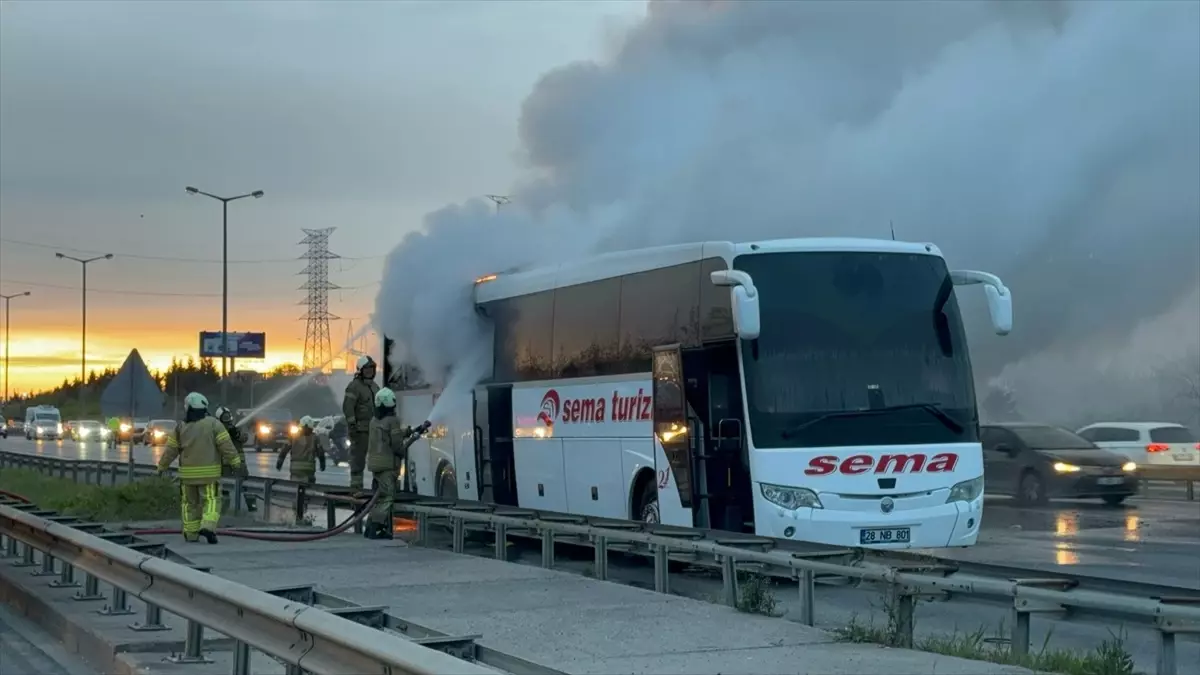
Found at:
[1147, 443]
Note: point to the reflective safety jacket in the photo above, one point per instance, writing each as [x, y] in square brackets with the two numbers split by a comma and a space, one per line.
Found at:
[359, 404]
[304, 449]
[201, 447]
[387, 444]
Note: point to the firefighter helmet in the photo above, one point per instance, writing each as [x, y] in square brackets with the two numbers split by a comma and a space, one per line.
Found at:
[385, 398]
[196, 401]
[364, 361]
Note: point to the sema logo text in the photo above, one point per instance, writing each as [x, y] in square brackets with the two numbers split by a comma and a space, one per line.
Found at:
[617, 408]
[859, 464]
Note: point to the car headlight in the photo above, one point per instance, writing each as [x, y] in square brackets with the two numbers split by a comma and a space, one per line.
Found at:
[1129, 467]
[966, 491]
[1063, 467]
[293, 430]
[125, 427]
[790, 498]
[264, 429]
[158, 433]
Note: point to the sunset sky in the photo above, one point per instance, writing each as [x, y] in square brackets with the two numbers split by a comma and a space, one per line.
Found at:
[360, 116]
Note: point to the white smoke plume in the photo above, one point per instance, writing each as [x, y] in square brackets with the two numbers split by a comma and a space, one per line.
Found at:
[1054, 143]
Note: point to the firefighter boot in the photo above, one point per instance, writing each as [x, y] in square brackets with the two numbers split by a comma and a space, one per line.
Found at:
[209, 536]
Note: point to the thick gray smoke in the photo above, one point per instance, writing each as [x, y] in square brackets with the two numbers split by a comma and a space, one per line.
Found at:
[1056, 144]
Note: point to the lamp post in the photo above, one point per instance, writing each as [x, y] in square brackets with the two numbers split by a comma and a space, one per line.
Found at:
[224, 279]
[83, 263]
[7, 313]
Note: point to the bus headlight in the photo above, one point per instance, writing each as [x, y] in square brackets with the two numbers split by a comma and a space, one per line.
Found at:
[58, 429]
[264, 429]
[790, 498]
[966, 491]
[293, 430]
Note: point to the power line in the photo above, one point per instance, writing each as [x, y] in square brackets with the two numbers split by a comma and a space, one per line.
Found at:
[140, 256]
[114, 291]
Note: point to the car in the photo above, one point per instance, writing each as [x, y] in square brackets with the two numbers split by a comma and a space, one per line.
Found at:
[273, 428]
[1036, 462]
[132, 431]
[88, 430]
[1147, 443]
[156, 432]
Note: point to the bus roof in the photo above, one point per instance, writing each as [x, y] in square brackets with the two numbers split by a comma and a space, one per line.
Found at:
[621, 263]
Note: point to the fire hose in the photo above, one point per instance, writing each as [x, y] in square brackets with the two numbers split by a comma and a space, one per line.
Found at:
[356, 517]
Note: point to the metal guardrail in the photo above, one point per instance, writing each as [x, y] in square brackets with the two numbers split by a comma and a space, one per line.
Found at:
[307, 638]
[906, 578]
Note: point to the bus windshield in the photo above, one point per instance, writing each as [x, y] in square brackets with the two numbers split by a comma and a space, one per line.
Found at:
[856, 348]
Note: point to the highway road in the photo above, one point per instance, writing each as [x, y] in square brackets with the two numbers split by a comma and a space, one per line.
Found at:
[1151, 540]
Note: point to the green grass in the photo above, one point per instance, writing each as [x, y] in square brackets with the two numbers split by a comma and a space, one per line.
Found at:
[1109, 658]
[145, 499]
[754, 595]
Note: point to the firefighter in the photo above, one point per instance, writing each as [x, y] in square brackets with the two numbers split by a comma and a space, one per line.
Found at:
[358, 407]
[238, 438]
[304, 449]
[389, 441]
[114, 430]
[202, 445]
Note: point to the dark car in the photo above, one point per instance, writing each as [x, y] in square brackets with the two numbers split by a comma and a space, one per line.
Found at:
[157, 432]
[274, 427]
[132, 431]
[1035, 462]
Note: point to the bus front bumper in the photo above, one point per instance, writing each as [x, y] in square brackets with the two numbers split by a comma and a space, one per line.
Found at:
[953, 524]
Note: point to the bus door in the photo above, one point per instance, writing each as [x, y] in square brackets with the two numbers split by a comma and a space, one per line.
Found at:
[672, 425]
[724, 451]
[494, 459]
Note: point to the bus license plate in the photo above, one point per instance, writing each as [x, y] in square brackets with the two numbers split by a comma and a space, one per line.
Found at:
[884, 535]
[1113, 480]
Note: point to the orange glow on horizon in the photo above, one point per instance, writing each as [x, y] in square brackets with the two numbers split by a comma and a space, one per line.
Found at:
[42, 361]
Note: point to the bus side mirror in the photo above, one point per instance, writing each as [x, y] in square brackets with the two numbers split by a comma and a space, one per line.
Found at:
[744, 301]
[999, 298]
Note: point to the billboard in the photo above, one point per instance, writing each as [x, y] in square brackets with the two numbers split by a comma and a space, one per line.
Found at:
[241, 345]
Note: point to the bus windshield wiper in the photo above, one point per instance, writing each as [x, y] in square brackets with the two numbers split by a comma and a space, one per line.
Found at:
[932, 408]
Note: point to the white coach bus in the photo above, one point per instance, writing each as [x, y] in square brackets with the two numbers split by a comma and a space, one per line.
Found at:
[815, 390]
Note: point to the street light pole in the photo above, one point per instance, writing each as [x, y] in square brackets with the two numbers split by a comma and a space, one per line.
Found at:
[7, 313]
[224, 280]
[83, 263]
